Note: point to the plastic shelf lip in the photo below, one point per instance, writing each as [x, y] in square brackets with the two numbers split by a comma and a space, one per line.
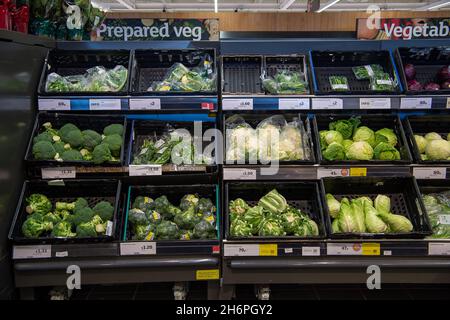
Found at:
[327, 104]
[82, 103]
[431, 172]
[416, 103]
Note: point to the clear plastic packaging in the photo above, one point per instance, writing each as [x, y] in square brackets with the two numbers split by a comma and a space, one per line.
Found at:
[382, 82]
[339, 83]
[285, 82]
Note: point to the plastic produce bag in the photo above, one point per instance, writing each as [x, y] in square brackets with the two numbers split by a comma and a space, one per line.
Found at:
[368, 71]
[268, 132]
[241, 139]
[382, 82]
[285, 82]
[438, 210]
[339, 83]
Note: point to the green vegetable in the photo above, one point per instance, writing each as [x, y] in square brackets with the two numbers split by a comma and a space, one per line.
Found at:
[206, 206]
[365, 134]
[345, 127]
[254, 217]
[346, 144]
[162, 205]
[91, 139]
[438, 149]
[204, 230]
[290, 221]
[86, 230]
[334, 151]
[360, 151]
[114, 142]
[271, 228]
[83, 215]
[382, 82]
[43, 150]
[358, 215]
[144, 232]
[347, 223]
[437, 207]
[433, 136]
[63, 229]
[385, 151]
[113, 129]
[59, 147]
[240, 228]
[66, 129]
[189, 200]
[74, 138]
[167, 230]
[333, 136]
[137, 217]
[386, 135]
[104, 209]
[51, 217]
[187, 219]
[44, 136]
[421, 143]
[186, 235]
[38, 203]
[71, 155]
[374, 223]
[339, 83]
[142, 203]
[397, 223]
[285, 82]
[79, 204]
[367, 72]
[273, 202]
[101, 154]
[334, 206]
[238, 208]
[34, 226]
[382, 204]
[335, 226]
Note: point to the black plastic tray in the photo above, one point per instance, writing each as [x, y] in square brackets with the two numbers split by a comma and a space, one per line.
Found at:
[427, 62]
[422, 125]
[74, 62]
[253, 119]
[174, 193]
[405, 200]
[152, 65]
[374, 122]
[93, 190]
[340, 63]
[302, 195]
[83, 122]
[241, 75]
[140, 130]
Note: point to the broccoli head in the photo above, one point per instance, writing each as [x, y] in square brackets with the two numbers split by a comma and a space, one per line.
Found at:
[86, 230]
[65, 129]
[87, 155]
[69, 206]
[80, 203]
[34, 226]
[114, 142]
[204, 230]
[74, 138]
[187, 219]
[188, 201]
[91, 139]
[142, 203]
[71, 155]
[163, 206]
[38, 203]
[63, 229]
[52, 217]
[82, 216]
[206, 206]
[59, 147]
[44, 136]
[43, 150]
[101, 154]
[167, 230]
[104, 209]
[143, 232]
[53, 132]
[137, 217]
[113, 129]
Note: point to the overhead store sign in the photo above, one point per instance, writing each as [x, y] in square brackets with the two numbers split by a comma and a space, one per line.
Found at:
[157, 29]
[403, 29]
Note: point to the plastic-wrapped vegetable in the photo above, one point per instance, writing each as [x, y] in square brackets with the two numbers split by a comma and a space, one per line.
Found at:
[382, 82]
[368, 71]
[438, 210]
[285, 82]
[339, 83]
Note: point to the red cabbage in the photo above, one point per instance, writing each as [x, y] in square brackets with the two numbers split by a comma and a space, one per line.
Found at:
[414, 85]
[444, 74]
[432, 86]
[410, 72]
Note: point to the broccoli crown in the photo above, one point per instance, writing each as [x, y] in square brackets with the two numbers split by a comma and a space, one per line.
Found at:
[71, 155]
[113, 129]
[142, 202]
[83, 215]
[137, 217]
[105, 210]
[114, 142]
[87, 155]
[38, 203]
[74, 138]
[63, 229]
[44, 136]
[167, 230]
[91, 139]
[43, 150]
[65, 129]
[34, 226]
[80, 203]
[204, 230]
[52, 217]
[101, 154]
[59, 147]
[86, 229]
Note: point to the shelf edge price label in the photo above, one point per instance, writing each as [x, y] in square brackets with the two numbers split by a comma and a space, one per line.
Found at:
[59, 173]
[310, 251]
[293, 104]
[32, 252]
[358, 172]
[371, 249]
[104, 104]
[335, 172]
[239, 174]
[448, 103]
[145, 170]
[430, 173]
[54, 104]
[439, 248]
[444, 219]
[344, 249]
[137, 248]
[327, 104]
[237, 104]
[241, 250]
[416, 103]
[212, 274]
[268, 250]
[375, 103]
[145, 104]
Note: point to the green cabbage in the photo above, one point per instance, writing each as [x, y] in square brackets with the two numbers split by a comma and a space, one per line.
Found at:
[334, 151]
[385, 151]
[365, 134]
[358, 214]
[397, 223]
[438, 149]
[333, 136]
[360, 151]
[386, 135]
[346, 217]
[374, 224]
[346, 144]
[382, 204]
[254, 216]
[421, 143]
[433, 136]
[345, 127]
[333, 205]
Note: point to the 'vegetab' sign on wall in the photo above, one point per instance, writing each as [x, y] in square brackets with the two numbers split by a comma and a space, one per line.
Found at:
[403, 29]
[157, 29]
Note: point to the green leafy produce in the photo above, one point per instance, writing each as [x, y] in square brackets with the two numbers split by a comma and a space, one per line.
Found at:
[189, 200]
[144, 232]
[74, 138]
[38, 203]
[187, 219]
[365, 134]
[438, 210]
[273, 202]
[382, 204]
[59, 147]
[71, 155]
[433, 136]
[421, 143]
[154, 217]
[339, 83]
[86, 230]
[114, 142]
[51, 217]
[167, 230]
[397, 223]
[367, 72]
[241, 228]
[83, 215]
[104, 209]
[360, 151]
[44, 136]
[91, 139]
[238, 208]
[285, 82]
[334, 206]
[271, 228]
[63, 229]
[386, 135]
[137, 217]
[66, 129]
[346, 144]
[333, 136]
[206, 206]
[382, 82]
[374, 223]
[345, 127]
[115, 128]
[101, 154]
[438, 149]
[43, 150]
[290, 221]
[204, 230]
[34, 226]
[358, 215]
[143, 203]
[385, 151]
[334, 151]
[346, 218]
[254, 217]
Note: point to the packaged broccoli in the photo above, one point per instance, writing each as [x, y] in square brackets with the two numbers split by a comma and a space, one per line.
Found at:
[382, 82]
[339, 83]
[368, 71]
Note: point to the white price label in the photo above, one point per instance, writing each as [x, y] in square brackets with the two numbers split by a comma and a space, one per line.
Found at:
[375, 103]
[444, 219]
[344, 249]
[430, 173]
[327, 104]
[32, 252]
[145, 104]
[109, 228]
[241, 250]
[337, 172]
[104, 104]
[137, 248]
[416, 103]
[54, 104]
[310, 251]
[439, 249]
[237, 104]
[448, 103]
[288, 250]
[293, 104]
[59, 173]
[145, 170]
[239, 174]
[61, 254]
[387, 253]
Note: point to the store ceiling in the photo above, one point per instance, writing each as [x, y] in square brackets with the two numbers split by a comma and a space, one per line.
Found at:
[266, 5]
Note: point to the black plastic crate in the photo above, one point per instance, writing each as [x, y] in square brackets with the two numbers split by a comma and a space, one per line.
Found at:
[152, 65]
[301, 195]
[141, 130]
[242, 75]
[254, 119]
[340, 63]
[422, 125]
[427, 62]
[83, 122]
[93, 191]
[374, 122]
[74, 62]
[405, 198]
[174, 193]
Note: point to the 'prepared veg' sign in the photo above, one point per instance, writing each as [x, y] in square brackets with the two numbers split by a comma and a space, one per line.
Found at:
[157, 29]
[403, 29]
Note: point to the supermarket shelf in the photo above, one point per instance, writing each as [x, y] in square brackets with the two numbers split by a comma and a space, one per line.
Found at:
[262, 102]
[174, 103]
[80, 103]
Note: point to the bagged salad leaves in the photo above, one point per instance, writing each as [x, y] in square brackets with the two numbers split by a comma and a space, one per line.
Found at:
[96, 79]
[285, 82]
[382, 82]
[368, 71]
[438, 210]
[339, 83]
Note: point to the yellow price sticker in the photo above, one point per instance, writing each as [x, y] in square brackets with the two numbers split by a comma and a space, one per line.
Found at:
[207, 274]
[358, 172]
[268, 250]
[371, 249]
